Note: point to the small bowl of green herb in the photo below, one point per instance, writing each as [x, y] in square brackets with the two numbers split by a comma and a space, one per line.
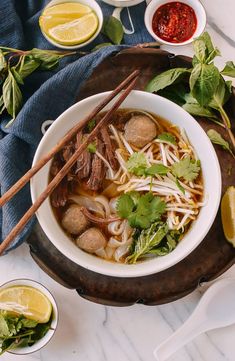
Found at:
[28, 316]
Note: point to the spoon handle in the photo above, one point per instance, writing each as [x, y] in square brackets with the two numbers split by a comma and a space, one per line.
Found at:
[190, 329]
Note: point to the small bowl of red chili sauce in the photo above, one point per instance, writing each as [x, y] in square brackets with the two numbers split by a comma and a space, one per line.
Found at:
[175, 22]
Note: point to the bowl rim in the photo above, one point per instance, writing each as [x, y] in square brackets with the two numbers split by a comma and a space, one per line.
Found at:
[97, 9]
[102, 265]
[32, 283]
[154, 4]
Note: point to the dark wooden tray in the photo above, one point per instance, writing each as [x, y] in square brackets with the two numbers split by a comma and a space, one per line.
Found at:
[211, 258]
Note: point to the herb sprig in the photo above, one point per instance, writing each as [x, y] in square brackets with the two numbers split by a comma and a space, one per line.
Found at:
[18, 331]
[15, 66]
[140, 210]
[201, 90]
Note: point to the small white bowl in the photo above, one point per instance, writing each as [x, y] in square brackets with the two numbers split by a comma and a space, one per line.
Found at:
[94, 5]
[44, 340]
[211, 178]
[123, 3]
[195, 4]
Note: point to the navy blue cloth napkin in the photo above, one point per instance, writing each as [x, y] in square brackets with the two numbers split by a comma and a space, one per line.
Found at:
[46, 95]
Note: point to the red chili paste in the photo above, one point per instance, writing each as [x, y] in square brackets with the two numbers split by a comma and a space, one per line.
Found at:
[174, 22]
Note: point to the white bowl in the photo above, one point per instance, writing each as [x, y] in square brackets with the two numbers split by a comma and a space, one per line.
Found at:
[211, 176]
[94, 5]
[195, 4]
[123, 3]
[44, 340]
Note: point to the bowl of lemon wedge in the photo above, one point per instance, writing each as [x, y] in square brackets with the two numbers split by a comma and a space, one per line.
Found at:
[28, 316]
[71, 24]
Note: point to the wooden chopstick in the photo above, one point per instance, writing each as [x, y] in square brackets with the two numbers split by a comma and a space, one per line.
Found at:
[63, 172]
[69, 135]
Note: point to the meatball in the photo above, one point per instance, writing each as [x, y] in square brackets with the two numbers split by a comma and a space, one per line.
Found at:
[74, 220]
[91, 240]
[140, 130]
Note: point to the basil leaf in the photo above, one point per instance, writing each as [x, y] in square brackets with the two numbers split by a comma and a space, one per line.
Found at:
[113, 29]
[191, 106]
[49, 59]
[199, 47]
[3, 63]
[203, 81]
[100, 46]
[209, 52]
[176, 93]
[17, 76]
[27, 66]
[229, 69]
[221, 94]
[166, 78]
[216, 138]
[12, 96]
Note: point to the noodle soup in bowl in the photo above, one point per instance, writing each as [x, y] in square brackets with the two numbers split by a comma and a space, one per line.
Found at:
[148, 205]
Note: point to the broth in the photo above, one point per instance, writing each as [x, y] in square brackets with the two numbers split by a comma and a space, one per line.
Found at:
[86, 203]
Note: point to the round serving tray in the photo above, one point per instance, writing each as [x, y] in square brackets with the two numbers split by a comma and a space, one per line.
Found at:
[211, 258]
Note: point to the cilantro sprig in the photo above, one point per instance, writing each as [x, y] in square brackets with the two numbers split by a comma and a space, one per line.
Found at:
[18, 331]
[186, 168]
[140, 210]
[137, 164]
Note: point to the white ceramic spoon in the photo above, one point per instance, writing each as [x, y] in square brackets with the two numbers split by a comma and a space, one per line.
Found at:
[215, 309]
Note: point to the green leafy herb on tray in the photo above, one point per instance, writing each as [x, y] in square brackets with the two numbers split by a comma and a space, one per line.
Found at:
[15, 66]
[113, 29]
[201, 90]
[216, 138]
[18, 331]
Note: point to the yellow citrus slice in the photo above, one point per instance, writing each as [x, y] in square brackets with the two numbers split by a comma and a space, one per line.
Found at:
[75, 32]
[61, 14]
[28, 301]
[228, 214]
[69, 10]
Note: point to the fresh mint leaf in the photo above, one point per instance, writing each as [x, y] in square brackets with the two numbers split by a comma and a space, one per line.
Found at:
[91, 148]
[160, 169]
[229, 69]
[203, 81]
[167, 78]
[167, 137]
[137, 163]
[125, 205]
[113, 29]
[186, 169]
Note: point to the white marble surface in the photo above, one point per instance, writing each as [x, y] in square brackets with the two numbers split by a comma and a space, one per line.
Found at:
[90, 332]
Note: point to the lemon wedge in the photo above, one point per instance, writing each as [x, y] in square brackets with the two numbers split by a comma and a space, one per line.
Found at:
[68, 23]
[75, 32]
[228, 214]
[28, 301]
[69, 10]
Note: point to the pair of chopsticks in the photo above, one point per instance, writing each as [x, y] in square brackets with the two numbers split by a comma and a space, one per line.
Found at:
[129, 83]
